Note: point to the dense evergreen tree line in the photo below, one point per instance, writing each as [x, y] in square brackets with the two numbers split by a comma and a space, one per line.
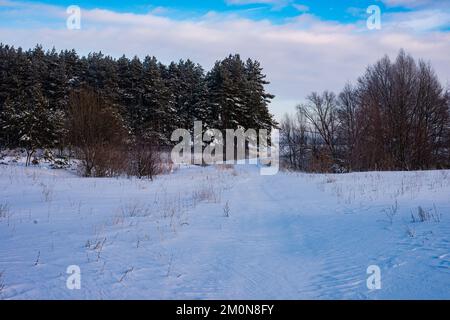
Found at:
[153, 99]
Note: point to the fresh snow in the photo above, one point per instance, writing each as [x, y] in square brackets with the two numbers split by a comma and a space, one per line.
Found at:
[288, 236]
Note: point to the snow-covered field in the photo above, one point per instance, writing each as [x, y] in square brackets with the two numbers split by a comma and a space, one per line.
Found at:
[215, 232]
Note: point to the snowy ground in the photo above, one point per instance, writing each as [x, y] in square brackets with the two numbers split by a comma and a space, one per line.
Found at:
[288, 236]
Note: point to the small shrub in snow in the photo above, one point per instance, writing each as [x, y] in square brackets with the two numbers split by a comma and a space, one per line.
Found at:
[330, 180]
[411, 232]
[144, 159]
[134, 210]
[4, 210]
[226, 210]
[96, 246]
[426, 215]
[2, 284]
[126, 273]
[423, 215]
[206, 193]
[38, 259]
[437, 217]
[224, 167]
[392, 212]
[47, 193]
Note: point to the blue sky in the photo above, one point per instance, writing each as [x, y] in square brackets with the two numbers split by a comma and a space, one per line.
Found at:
[303, 45]
[327, 9]
[277, 11]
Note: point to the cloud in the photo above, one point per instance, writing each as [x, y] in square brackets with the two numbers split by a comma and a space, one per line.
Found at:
[276, 4]
[159, 10]
[299, 56]
[246, 2]
[410, 3]
[301, 7]
[421, 20]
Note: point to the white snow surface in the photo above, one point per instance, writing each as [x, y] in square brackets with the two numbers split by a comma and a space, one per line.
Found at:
[288, 236]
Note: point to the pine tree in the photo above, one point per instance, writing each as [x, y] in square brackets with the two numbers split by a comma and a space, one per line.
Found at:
[101, 74]
[157, 117]
[130, 88]
[27, 122]
[13, 70]
[237, 95]
[75, 68]
[54, 82]
[37, 68]
[187, 84]
[226, 99]
[258, 115]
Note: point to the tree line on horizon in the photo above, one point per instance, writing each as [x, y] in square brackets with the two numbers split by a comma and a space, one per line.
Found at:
[113, 112]
[395, 117]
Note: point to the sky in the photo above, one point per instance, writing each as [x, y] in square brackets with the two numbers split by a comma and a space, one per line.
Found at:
[303, 45]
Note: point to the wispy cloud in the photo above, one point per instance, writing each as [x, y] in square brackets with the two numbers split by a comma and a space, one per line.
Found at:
[421, 20]
[246, 2]
[276, 4]
[301, 7]
[411, 3]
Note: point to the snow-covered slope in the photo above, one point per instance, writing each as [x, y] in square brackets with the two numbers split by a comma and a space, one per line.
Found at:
[206, 233]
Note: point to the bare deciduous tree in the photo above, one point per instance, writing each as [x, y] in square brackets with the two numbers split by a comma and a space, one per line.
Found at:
[97, 133]
[321, 112]
[406, 112]
[349, 127]
[294, 141]
[397, 117]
